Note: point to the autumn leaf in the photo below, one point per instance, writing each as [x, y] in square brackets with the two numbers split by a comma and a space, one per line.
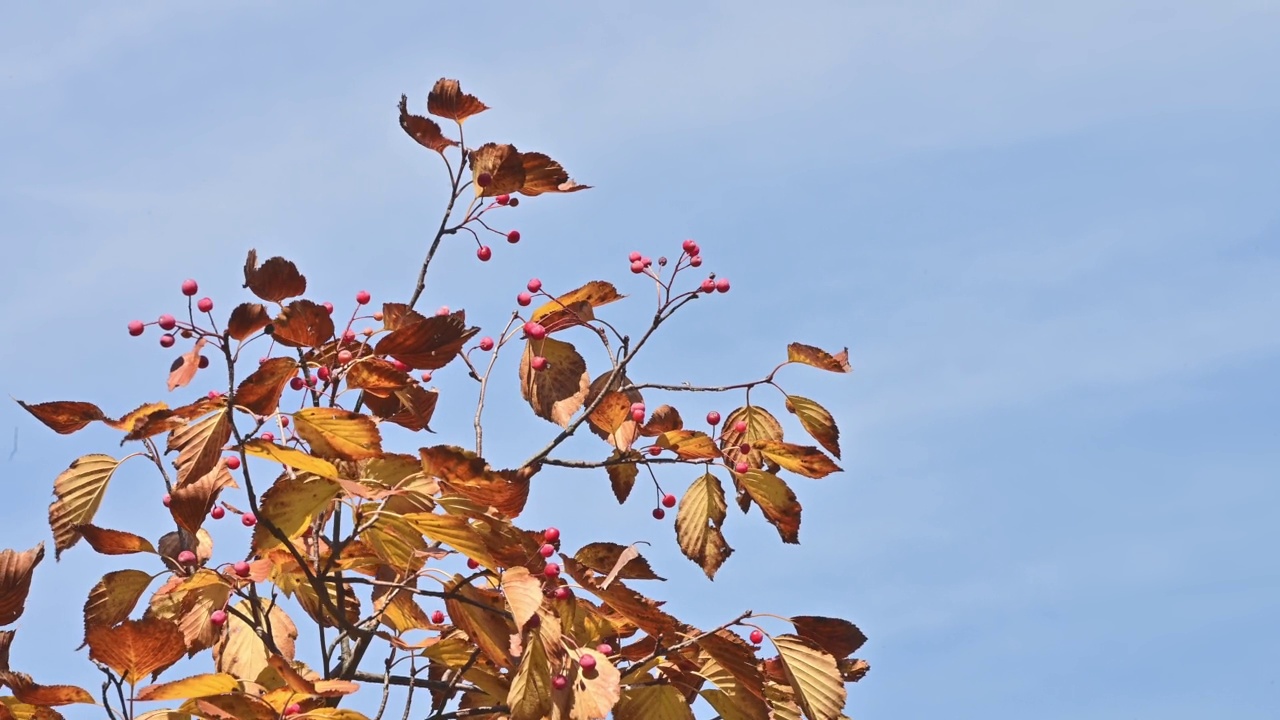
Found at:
[241, 653]
[64, 417]
[425, 131]
[652, 702]
[639, 610]
[260, 392]
[800, 459]
[114, 597]
[338, 433]
[231, 706]
[698, 522]
[575, 307]
[457, 533]
[481, 616]
[377, 377]
[302, 324]
[776, 500]
[464, 473]
[136, 417]
[15, 581]
[247, 319]
[114, 542]
[410, 408]
[190, 504]
[556, 392]
[299, 684]
[836, 636]
[162, 420]
[689, 444]
[622, 475]
[195, 686]
[523, 593]
[78, 492]
[429, 343]
[29, 692]
[136, 648]
[447, 100]
[544, 175]
[761, 425]
[291, 457]
[503, 165]
[275, 280]
[290, 504]
[615, 561]
[530, 695]
[597, 690]
[816, 421]
[663, 419]
[611, 420]
[821, 359]
[185, 367]
[813, 674]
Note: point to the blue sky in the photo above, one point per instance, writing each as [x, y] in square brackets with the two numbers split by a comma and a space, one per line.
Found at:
[1048, 233]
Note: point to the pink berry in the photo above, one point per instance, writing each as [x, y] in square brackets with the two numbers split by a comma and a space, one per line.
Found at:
[588, 662]
[263, 359]
[186, 557]
[484, 179]
[503, 199]
[513, 237]
[669, 500]
[637, 406]
[690, 247]
[348, 335]
[363, 297]
[637, 267]
[166, 499]
[654, 450]
[167, 322]
[551, 534]
[248, 520]
[634, 256]
[344, 357]
[437, 617]
[547, 550]
[217, 513]
[378, 316]
[442, 310]
[757, 637]
[534, 285]
[294, 709]
[426, 377]
[218, 617]
[559, 682]
[284, 420]
[523, 299]
[562, 593]
[741, 467]
[695, 261]
[740, 426]
[659, 513]
[269, 436]
[214, 394]
[241, 568]
[535, 330]
[538, 363]
[473, 563]
[136, 327]
[484, 252]
[402, 367]
[297, 383]
[486, 344]
[713, 418]
[189, 287]
[722, 285]
[323, 373]
[708, 286]
[647, 262]
[233, 462]
[637, 416]
[204, 305]
[604, 649]
[328, 306]
[551, 570]
[166, 340]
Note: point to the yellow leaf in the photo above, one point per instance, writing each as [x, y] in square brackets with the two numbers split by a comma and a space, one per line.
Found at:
[814, 676]
[136, 648]
[291, 504]
[776, 500]
[114, 597]
[689, 444]
[698, 522]
[523, 592]
[190, 687]
[291, 457]
[338, 433]
[816, 421]
[575, 307]
[241, 653]
[78, 492]
[819, 358]
[457, 533]
[652, 702]
[803, 460]
[481, 617]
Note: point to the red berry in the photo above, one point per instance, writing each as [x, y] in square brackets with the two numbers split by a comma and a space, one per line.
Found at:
[241, 568]
[344, 357]
[588, 662]
[186, 557]
[503, 199]
[708, 286]
[484, 252]
[722, 285]
[297, 383]
[535, 285]
[695, 261]
[217, 513]
[486, 344]
[637, 406]
[757, 637]
[166, 499]
[604, 649]
[348, 335]
[284, 420]
[233, 462]
[189, 287]
[655, 450]
[634, 256]
[484, 179]
[523, 299]
[204, 305]
[363, 297]
[293, 709]
[559, 682]
[323, 373]
[637, 415]
[637, 267]
[166, 340]
[136, 327]
[690, 247]
[203, 362]
[218, 617]
[538, 363]
[328, 306]
[741, 467]
[166, 322]
[437, 617]
[442, 310]
[669, 500]
[547, 550]
[269, 436]
[513, 237]
[535, 330]
[562, 593]
[713, 418]
[659, 513]
[647, 262]
[402, 367]
[426, 377]
[551, 534]
[551, 570]
[740, 426]
[248, 520]
[473, 563]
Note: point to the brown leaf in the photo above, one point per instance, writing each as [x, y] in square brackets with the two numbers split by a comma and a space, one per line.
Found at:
[544, 175]
[114, 597]
[595, 691]
[853, 669]
[615, 561]
[162, 420]
[447, 100]
[761, 425]
[77, 493]
[425, 131]
[816, 421]
[464, 473]
[136, 417]
[429, 343]
[652, 702]
[523, 593]
[839, 637]
[664, 419]
[29, 692]
[190, 504]
[185, 367]
[698, 522]
[199, 445]
[480, 614]
[814, 676]
[231, 706]
[821, 359]
[622, 475]
[241, 653]
[290, 504]
[173, 543]
[776, 500]
[556, 392]
[410, 408]
[377, 377]
[575, 307]
[63, 416]
[503, 165]
[15, 581]
[302, 324]
[247, 319]
[637, 609]
[191, 603]
[260, 392]
[398, 315]
[689, 444]
[275, 280]
[299, 684]
[732, 657]
[136, 648]
[530, 695]
[338, 433]
[114, 542]
[800, 459]
[611, 420]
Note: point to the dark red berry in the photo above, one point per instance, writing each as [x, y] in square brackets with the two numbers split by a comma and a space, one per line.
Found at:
[484, 252]
[659, 513]
[513, 237]
[713, 418]
[167, 322]
[437, 617]
[167, 340]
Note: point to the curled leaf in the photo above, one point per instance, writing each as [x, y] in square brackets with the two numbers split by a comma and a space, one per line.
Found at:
[16, 569]
[502, 164]
[447, 100]
[819, 358]
[275, 280]
[302, 324]
[556, 392]
[247, 319]
[186, 366]
[260, 392]
[114, 542]
[78, 493]
[425, 131]
[64, 416]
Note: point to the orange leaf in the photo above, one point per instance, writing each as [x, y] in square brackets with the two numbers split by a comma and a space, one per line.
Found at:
[482, 618]
[114, 542]
[114, 597]
[136, 648]
[622, 475]
[190, 504]
[162, 420]
[338, 433]
[410, 408]
[241, 653]
[503, 165]
[429, 343]
[247, 319]
[195, 686]
[576, 307]
[698, 522]
[447, 100]
[398, 315]
[185, 367]
[800, 459]
[64, 416]
[425, 131]
[231, 706]
[639, 610]
[544, 175]
[556, 392]
[291, 504]
[199, 445]
[662, 420]
[839, 637]
[302, 324]
[136, 417]
[260, 392]
[29, 692]
[611, 420]
[776, 500]
[821, 359]
[689, 444]
[78, 492]
[277, 279]
[15, 581]
[464, 473]
[816, 421]
[376, 377]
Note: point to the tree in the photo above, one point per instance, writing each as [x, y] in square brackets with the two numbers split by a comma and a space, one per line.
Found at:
[353, 537]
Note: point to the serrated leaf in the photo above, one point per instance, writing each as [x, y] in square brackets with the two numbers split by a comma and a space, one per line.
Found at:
[803, 460]
[411, 407]
[114, 597]
[776, 500]
[338, 433]
[302, 324]
[291, 457]
[247, 319]
[195, 686]
[556, 392]
[611, 420]
[291, 504]
[480, 615]
[836, 636]
[652, 702]
[30, 692]
[457, 533]
[813, 674]
[689, 444]
[575, 307]
[447, 100]
[462, 472]
[136, 648]
[544, 175]
[595, 691]
[241, 653]
[622, 475]
[639, 610]
[199, 445]
[428, 343]
[425, 131]
[734, 668]
[162, 420]
[816, 421]
[16, 569]
[190, 504]
[260, 392]
[377, 377]
[503, 165]
[231, 706]
[662, 420]
[523, 593]
[64, 416]
[114, 542]
[698, 521]
[275, 280]
[819, 358]
[78, 492]
[530, 695]
[618, 561]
